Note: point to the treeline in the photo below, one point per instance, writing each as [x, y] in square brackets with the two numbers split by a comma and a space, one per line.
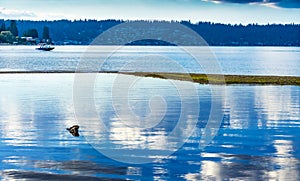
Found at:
[249, 35]
[10, 34]
[84, 31]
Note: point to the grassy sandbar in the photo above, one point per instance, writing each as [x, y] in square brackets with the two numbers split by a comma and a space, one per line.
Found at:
[219, 79]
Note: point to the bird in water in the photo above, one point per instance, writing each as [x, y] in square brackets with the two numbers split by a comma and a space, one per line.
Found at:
[74, 130]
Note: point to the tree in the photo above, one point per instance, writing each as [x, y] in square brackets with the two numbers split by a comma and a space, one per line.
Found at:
[46, 35]
[7, 37]
[3, 28]
[31, 33]
[13, 28]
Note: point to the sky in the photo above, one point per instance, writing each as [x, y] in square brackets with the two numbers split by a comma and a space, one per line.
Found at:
[218, 11]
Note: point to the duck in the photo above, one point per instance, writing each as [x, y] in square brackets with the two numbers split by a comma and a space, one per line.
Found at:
[73, 130]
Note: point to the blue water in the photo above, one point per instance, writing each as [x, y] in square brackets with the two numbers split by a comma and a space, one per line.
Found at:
[258, 137]
[232, 60]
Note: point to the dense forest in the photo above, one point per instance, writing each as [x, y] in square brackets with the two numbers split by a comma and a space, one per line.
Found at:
[84, 31]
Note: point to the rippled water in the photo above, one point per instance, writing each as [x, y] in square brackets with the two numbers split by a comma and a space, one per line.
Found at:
[232, 60]
[259, 136]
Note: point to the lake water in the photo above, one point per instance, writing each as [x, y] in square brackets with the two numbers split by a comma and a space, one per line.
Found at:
[258, 137]
[232, 60]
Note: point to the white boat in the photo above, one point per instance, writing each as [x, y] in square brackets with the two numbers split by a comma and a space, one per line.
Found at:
[45, 47]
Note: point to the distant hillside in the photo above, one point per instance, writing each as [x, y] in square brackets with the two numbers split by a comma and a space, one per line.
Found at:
[84, 31]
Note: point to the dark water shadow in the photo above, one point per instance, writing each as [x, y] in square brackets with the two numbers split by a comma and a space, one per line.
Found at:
[33, 175]
[86, 167]
[68, 170]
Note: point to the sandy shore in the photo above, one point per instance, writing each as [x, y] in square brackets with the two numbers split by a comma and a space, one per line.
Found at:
[198, 78]
[229, 79]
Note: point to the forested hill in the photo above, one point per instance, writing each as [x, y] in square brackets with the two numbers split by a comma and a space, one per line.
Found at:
[84, 31]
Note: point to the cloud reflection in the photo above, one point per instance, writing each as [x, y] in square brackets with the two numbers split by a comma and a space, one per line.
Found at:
[238, 152]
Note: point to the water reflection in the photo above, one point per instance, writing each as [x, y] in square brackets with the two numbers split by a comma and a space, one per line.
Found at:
[31, 110]
[33, 175]
[245, 167]
[258, 139]
[285, 161]
[120, 135]
[263, 106]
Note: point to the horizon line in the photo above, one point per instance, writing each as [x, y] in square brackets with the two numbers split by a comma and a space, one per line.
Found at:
[150, 20]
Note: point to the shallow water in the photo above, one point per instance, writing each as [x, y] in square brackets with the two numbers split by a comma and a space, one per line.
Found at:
[258, 138]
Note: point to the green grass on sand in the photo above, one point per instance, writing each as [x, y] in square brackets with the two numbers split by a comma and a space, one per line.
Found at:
[198, 78]
[219, 79]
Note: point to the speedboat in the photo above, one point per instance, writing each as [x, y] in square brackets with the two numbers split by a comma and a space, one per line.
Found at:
[45, 47]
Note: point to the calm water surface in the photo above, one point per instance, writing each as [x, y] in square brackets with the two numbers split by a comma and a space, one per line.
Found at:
[232, 60]
[258, 139]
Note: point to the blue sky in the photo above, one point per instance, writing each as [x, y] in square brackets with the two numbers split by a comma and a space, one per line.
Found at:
[222, 11]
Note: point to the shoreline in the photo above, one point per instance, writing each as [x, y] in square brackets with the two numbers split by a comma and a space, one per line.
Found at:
[58, 45]
[193, 77]
[229, 79]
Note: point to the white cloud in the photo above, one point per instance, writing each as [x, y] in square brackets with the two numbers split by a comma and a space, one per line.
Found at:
[28, 15]
[15, 14]
[268, 3]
